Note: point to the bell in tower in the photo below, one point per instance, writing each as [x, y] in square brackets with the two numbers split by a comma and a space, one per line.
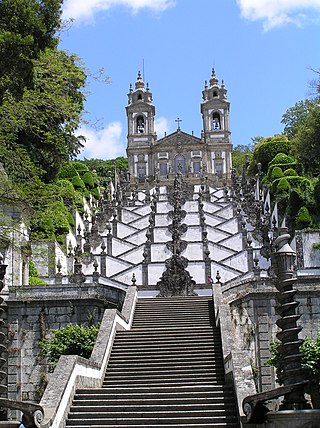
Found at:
[141, 135]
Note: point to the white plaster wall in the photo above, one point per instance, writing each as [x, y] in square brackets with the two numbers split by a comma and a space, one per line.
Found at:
[124, 230]
[194, 251]
[137, 238]
[192, 218]
[192, 234]
[230, 226]
[211, 220]
[162, 220]
[197, 271]
[163, 207]
[159, 252]
[134, 256]
[226, 212]
[119, 247]
[218, 253]
[126, 277]
[162, 234]
[154, 272]
[216, 235]
[141, 223]
[116, 265]
[191, 206]
[226, 274]
[128, 216]
[238, 261]
[311, 256]
[209, 207]
[143, 209]
[234, 242]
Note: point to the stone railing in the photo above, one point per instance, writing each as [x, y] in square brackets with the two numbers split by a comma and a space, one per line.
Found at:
[74, 372]
[237, 364]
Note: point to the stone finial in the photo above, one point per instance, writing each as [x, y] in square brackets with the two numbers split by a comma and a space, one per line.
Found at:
[133, 280]
[218, 277]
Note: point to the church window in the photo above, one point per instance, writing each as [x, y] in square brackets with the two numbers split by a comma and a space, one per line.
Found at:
[179, 164]
[216, 123]
[196, 167]
[163, 169]
[215, 94]
[140, 125]
[139, 97]
[141, 172]
[219, 169]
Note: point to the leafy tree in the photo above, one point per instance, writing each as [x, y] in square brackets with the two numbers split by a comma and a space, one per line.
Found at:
[267, 148]
[69, 340]
[27, 28]
[105, 169]
[296, 116]
[44, 120]
[240, 154]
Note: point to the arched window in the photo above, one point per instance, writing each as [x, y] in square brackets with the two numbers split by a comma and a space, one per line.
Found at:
[216, 123]
[180, 164]
[215, 94]
[139, 97]
[140, 125]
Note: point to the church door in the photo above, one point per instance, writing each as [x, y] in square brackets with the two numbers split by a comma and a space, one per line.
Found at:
[179, 164]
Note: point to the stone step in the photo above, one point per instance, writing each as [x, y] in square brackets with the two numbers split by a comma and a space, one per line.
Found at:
[198, 390]
[150, 421]
[158, 367]
[190, 344]
[163, 381]
[157, 373]
[152, 401]
[192, 424]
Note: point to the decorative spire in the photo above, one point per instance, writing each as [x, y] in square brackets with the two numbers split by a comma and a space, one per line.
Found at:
[139, 83]
[213, 81]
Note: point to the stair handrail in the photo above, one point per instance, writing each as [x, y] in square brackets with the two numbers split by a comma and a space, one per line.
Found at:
[74, 372]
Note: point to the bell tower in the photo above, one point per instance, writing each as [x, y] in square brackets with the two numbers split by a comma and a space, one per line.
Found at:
[141, 135]
[215, 110]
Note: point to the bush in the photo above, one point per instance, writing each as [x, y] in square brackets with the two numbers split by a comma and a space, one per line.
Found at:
[95, 193]
[303, 219]
[79, 166]
[282, 159]
[290, 172]
[267, 148]
[34, 281]
[276, 173]
[69, 340]
[77, 183]
[68, 171]
[283, 186]
[87, 178]
[310, 361]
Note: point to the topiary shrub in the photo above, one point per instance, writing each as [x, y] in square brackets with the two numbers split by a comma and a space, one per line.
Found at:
[282, 159]
[87, 178]
[95, 193]
[34, 278]
[276, 173]
[290, 172]
[68, 171]
[303, 219]
[283, 186]
[69, 340]
[80, 167]
[78, 183]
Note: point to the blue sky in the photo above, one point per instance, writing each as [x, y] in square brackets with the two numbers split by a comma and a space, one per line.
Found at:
[263, 49]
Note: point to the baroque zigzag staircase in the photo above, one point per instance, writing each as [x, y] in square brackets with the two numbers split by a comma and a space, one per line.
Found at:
[167, 371]
[224, 240]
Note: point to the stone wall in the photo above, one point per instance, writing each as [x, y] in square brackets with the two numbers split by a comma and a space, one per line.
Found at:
[32, 313]
[253, 320]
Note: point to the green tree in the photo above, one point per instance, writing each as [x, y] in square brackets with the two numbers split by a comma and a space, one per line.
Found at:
[296, 116]
[27, 28]
[240, 154]
[44, 120]
[267, 148]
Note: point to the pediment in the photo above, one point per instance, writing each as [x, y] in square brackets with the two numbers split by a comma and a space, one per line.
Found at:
[178, 138]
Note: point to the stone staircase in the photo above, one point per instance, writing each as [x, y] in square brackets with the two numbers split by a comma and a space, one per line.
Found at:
[167, 371]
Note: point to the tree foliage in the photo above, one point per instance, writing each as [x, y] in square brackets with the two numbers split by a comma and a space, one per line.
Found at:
[310, 361]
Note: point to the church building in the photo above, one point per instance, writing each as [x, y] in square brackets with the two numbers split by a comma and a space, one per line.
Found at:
[209, 154]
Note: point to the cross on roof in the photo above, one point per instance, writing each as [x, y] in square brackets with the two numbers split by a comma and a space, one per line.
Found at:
[178, 120]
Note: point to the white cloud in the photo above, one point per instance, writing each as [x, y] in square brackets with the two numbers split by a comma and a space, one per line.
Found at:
[161, 125]
[275, 13]
[85, 9]
[106, 143]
